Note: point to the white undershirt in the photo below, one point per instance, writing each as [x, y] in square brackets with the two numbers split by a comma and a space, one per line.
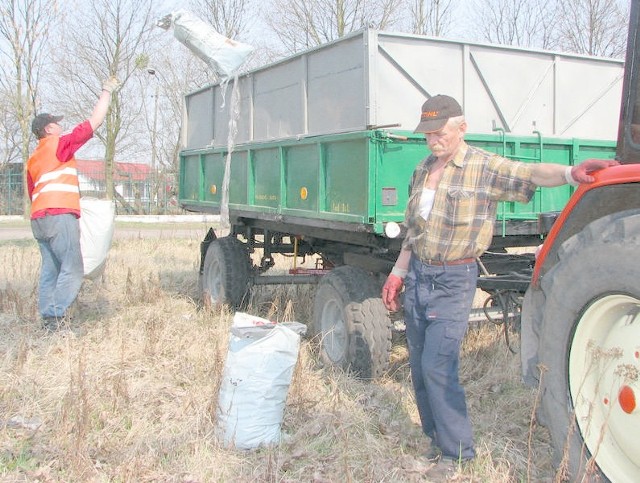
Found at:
[426, 202]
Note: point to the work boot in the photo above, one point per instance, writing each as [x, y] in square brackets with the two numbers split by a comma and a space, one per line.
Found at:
[444, 469]
[433, 454]
[50, 324]
[54, 324]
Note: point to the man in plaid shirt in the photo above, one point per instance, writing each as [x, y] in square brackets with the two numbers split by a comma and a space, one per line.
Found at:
[449, 217]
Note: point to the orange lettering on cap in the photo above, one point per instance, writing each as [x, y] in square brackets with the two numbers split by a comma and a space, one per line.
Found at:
[428, 114]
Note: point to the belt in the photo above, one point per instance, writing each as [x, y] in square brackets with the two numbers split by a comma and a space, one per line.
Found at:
[461, 261]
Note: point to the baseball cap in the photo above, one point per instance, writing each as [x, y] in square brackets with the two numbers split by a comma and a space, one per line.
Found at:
[436, 111]
[41, 121]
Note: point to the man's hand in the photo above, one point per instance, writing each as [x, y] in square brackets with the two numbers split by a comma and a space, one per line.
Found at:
[111, 85]
[391, 292]
[582, 172]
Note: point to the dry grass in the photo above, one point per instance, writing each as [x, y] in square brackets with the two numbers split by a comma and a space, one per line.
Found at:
[130, 394]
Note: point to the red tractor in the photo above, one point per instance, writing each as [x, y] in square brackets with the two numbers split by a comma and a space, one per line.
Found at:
[580, 338]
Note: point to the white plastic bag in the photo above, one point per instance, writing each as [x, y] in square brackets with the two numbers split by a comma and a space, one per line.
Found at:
[97, 221]
[220, 53]
[255, 382]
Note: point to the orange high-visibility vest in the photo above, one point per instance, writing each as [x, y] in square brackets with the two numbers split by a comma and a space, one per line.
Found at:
[55, 183]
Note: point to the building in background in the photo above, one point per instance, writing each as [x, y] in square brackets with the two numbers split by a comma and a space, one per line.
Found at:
[134, 182]
[138, 188]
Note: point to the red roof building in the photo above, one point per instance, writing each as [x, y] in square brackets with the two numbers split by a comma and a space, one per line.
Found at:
[93, 169]
[133, 182]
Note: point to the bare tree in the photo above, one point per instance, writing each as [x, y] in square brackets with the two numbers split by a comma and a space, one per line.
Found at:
[24, 29]
[523, 23]
[228, 17]
[593, 27]
[10, 133]
[106, 39]
[171, 71]
[430, 17]
[301, 24]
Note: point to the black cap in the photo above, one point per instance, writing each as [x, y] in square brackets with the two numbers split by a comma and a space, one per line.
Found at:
[436, 111]
[41, 121]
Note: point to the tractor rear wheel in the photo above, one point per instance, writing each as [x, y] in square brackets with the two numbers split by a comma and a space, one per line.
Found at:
[589, 351]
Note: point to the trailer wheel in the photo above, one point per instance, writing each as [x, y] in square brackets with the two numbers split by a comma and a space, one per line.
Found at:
[589, 351]
[226, 273]
[352, 326]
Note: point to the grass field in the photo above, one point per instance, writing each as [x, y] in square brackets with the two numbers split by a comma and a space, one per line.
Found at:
[130, 393]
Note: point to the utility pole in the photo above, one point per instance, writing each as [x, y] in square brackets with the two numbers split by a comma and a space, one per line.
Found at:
[154, 121]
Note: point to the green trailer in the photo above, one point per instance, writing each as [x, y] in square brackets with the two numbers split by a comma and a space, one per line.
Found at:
[335, 197]
[321, 166]
[358, 181]
[320, 154]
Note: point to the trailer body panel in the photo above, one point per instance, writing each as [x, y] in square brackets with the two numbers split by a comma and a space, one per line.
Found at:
[372, 78]
[360, 178]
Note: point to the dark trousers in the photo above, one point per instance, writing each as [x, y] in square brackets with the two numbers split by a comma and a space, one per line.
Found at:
[437, 303]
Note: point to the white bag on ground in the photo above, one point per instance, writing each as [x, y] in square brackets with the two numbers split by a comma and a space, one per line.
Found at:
[220, 53]
[255, 381]
[97, 221]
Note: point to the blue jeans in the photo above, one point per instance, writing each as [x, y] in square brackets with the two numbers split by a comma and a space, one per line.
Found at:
[62, 270]
[437, 303]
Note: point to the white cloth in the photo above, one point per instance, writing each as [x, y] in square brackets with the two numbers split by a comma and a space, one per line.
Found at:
[426, 202]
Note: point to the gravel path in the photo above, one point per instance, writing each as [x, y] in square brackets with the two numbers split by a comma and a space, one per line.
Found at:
[19, 229]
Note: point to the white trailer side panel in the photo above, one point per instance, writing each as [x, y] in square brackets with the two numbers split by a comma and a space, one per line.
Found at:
[373, 78]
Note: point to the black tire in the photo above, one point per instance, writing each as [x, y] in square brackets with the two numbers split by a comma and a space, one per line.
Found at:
[589, 351]
[226, 273]
[351, 324]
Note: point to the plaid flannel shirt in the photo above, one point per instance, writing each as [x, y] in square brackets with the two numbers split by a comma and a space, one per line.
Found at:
[462, 218]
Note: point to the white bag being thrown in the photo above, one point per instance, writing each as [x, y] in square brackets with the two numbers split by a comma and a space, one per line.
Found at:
[255, 381]
[97, 220]
[220, 53]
